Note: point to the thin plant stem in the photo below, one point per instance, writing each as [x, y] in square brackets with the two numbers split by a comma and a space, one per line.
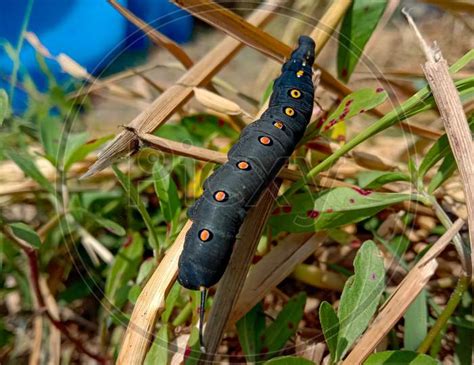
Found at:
[19, 46]
[461, 287]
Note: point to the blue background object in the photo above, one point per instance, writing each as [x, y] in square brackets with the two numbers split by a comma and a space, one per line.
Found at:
[91, 32]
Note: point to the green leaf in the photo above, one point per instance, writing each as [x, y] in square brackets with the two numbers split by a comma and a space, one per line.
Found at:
[78, 148]
[330, 326]
[26, 233]
[416, 322]
[124, 267]
[360, 297]
[205, 126]
[357, 102]
[109, 225]
[357, 27]
[284, 327]
[249, 330]
[309, 212]
[376, 179]
[288, 360]
[167, 192]
[439, 150]
[4, 107]
[158, 353]
[445, 171]
[399, 357]
[50, 130]
[27, 165]
[132, 193]
[170, 302]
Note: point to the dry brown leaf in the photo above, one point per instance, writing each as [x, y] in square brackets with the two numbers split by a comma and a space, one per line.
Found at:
[216, 102]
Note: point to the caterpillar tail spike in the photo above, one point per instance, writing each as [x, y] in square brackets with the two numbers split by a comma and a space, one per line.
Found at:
[202, 310]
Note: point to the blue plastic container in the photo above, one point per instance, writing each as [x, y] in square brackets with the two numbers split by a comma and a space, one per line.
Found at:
[91, 32]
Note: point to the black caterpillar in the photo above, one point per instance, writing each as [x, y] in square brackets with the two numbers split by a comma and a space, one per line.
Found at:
[253, 162]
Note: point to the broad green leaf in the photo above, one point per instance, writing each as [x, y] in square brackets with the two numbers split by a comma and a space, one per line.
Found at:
[289, 360]
[284, 327]
[80, 148]
[124, 267]
[109, 225]
[445, 171]
[133, 194]
[360, 297]
[330, 326]
[166, 190]
[355, 103]
[307, 212]
[158, 353]
[26, 233]
[357, 26]
[27, 165]
[399, 357]
[375, 179]
[416, 322]
[358, 102]
[249, 330]
[439, 150]
[4, 107]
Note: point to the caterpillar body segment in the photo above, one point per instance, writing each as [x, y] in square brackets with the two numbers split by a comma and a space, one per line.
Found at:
[253, 162]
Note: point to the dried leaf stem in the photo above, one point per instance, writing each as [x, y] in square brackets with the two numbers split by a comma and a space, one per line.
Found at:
[455, 122]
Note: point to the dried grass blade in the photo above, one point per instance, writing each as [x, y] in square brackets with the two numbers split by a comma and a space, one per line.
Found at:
[175, 96]
[401, 299]
[150, 304]
[457, 129]
[328, 23]
[156, 37]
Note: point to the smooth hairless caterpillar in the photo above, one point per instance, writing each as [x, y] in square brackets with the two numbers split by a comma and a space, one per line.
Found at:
[253, 162]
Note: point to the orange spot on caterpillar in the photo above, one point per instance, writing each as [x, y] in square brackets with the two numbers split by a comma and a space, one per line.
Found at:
[220, 196]
[205, 235]
[265, 140]
[242, 165]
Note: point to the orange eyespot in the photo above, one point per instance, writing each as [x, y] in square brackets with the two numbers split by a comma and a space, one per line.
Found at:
[299, 73]
[242, 165]
[205, 235]
[278, 125]
[220, 196]
[289, 111]
[265, 140]
[295, 93]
